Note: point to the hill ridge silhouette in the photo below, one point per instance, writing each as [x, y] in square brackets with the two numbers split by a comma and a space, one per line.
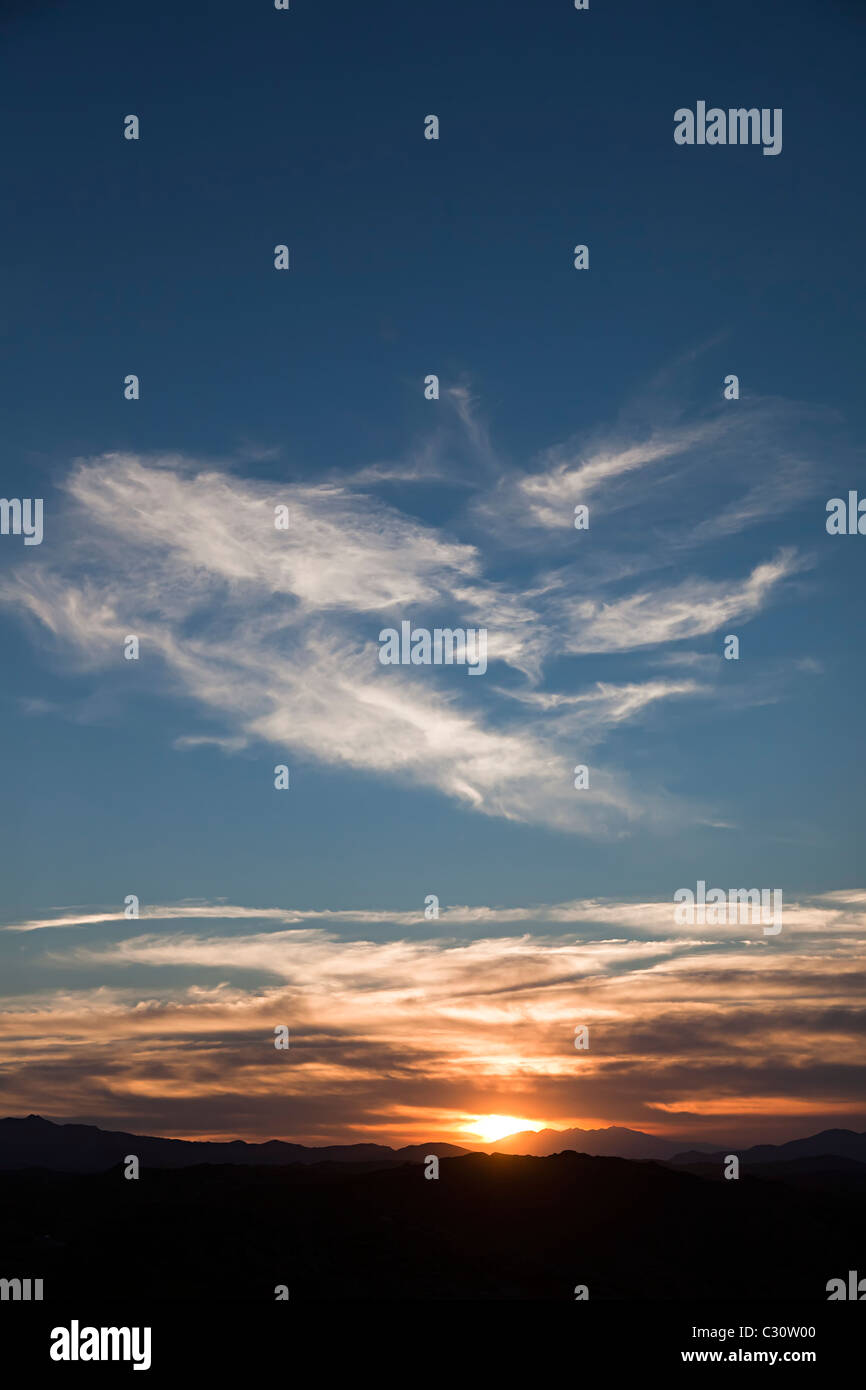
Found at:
[33, 1141]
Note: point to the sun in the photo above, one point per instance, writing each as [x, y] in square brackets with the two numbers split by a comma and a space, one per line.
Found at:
[492, 1127]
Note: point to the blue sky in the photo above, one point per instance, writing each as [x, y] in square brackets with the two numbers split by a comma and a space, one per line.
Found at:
[258, 387]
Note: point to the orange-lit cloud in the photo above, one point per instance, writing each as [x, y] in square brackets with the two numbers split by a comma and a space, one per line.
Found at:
[719, 1032]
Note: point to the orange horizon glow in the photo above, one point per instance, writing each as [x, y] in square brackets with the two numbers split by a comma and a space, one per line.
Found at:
[493, 1127]
[496, 1025]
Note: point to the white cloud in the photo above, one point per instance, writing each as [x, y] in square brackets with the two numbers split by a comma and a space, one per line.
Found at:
[841, 910]
[690, 609]
[274, 632]
[567, 477]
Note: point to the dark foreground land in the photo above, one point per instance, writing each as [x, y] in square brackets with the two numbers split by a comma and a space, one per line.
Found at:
[490, 1227]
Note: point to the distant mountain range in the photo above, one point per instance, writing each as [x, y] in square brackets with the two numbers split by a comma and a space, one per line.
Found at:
[34, 1142]
[37, 1143]
[835, 1143]
[613, 1142]
[616, 1142]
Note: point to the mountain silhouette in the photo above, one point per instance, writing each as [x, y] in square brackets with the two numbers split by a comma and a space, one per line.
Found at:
[835, 1143]
[34, 1142]
[612, 1142]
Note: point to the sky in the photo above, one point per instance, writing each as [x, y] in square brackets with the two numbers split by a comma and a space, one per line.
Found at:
[305, 388]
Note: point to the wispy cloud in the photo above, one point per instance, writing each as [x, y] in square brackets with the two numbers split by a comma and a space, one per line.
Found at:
[841, 911]
[690, 609]
[566, 476]
[273, 633]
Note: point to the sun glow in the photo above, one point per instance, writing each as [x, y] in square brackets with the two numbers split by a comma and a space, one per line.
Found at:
[492, 1127]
